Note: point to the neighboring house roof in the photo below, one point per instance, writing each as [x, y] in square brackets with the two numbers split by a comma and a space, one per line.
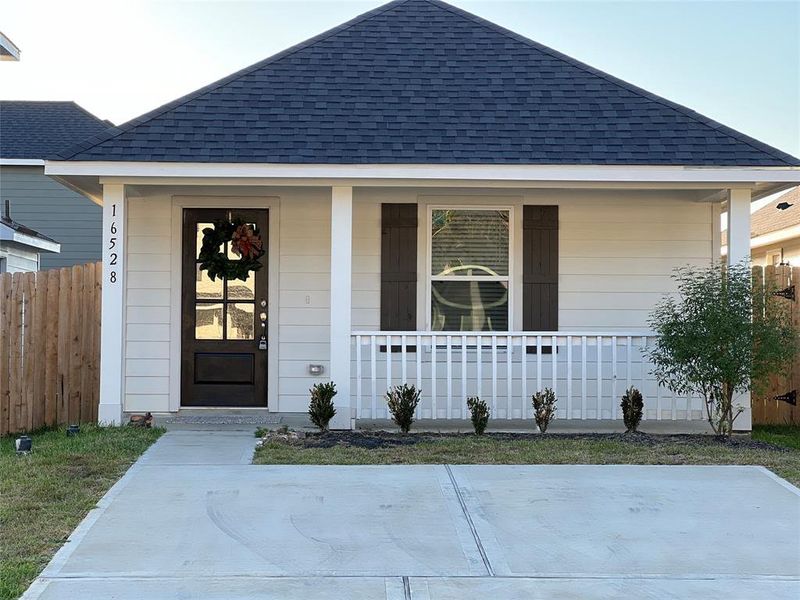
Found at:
[423, 82]
[8, 49]
[36, 130]
[12, 231]
[769, 218]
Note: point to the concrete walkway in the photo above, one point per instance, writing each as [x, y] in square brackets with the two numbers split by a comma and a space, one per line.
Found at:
[193, 519]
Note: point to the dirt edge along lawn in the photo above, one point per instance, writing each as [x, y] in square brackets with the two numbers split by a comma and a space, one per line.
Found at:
[378, 447]
[43, 496]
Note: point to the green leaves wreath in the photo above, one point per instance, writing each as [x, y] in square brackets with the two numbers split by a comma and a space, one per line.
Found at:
[245, 241]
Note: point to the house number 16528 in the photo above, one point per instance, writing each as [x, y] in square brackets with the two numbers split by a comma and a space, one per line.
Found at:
[112, 244]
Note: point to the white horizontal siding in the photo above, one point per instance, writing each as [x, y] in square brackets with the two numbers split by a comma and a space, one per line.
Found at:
[145, 402]
[19, 258]
[304, 295]
[147, 315]
[144, 367]
[617, 251]
[149, 349]
[366, 280]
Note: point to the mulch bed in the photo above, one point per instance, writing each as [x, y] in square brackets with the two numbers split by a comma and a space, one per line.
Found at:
[387, 439]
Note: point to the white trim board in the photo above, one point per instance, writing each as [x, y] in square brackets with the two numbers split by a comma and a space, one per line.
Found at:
[9, 234]
[511, 278]
[21, 162]
[426, 172]
[773, 237]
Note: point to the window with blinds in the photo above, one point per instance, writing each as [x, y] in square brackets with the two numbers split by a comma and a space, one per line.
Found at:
[469, 269]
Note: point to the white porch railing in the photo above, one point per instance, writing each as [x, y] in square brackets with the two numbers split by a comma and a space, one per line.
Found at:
[589, 372]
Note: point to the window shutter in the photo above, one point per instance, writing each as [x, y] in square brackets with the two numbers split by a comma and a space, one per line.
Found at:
[398, 267]
[540, 268]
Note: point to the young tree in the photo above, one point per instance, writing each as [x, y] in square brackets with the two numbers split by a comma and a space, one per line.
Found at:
[719, 338]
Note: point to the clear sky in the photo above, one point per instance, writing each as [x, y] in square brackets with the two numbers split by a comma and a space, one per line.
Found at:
[737, 62]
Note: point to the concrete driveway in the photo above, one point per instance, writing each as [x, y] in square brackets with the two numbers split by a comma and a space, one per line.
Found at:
[193, 519]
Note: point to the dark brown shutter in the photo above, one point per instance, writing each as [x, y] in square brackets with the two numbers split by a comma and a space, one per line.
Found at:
[540, 268]
[398, 267]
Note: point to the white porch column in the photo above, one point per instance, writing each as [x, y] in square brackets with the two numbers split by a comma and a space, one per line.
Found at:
[738, 225]
[739, 250]
[341, 294]
[113, 305]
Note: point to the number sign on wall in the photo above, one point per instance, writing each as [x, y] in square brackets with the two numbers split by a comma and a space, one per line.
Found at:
[112, 246]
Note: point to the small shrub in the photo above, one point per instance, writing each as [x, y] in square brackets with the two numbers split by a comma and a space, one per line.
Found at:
[261, 432]
[321, 409]
[632, 405]
[402, 401]
[479, 412]
[544, 408]
[723, 334]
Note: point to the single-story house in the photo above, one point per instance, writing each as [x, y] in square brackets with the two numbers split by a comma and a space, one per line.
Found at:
[438, 200]
[775, 232]
[29, 132]
[21, 247]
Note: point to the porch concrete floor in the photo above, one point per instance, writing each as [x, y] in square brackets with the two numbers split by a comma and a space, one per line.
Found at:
[193, 520]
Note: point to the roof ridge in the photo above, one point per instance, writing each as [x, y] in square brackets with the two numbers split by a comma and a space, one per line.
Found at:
[699, 117]
[89, 113]
[113, 132]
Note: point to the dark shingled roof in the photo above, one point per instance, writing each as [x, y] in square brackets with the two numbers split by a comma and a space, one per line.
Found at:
[420, 81]
[31, 129]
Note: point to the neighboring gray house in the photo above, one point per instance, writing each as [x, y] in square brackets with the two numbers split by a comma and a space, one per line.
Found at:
[29, 133]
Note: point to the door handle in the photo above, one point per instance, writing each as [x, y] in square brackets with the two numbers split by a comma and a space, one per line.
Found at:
[262, 316]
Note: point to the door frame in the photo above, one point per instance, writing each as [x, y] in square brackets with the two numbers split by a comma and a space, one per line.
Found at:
[270, 203]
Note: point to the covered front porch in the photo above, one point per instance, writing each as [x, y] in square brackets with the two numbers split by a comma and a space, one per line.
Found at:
[360, 291]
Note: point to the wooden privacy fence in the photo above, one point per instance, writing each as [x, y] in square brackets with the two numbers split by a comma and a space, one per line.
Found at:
[776, 404]
[49, 347]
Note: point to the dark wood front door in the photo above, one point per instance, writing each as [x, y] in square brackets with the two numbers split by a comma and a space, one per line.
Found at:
[223, 362]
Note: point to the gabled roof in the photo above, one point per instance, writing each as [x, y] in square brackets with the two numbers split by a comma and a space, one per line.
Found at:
[33, 129]
[423, 82]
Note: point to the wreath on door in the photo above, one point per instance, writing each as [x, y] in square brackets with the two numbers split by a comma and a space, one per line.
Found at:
[245, 242]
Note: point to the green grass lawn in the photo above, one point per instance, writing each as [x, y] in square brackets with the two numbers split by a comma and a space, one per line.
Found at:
[776, 451]
[45, 495]
[787, 436]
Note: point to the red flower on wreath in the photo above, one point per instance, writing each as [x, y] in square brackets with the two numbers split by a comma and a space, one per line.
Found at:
[246, 242]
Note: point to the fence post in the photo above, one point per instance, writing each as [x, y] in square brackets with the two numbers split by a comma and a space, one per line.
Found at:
[51, 349]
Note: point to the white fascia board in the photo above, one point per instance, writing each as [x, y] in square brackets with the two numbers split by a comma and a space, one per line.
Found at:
[746, 176]
[11, 235]
[21, 162]
[773, 237]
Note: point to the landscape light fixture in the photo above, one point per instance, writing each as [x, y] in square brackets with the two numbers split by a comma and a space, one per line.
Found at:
[73, 430]
[24, 445]
[783, 205]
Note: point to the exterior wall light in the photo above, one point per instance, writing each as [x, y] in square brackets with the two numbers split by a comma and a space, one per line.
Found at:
[24, 445]
[316, 370]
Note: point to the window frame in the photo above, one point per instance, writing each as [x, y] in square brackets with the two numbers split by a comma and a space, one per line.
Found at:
[430, 277]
